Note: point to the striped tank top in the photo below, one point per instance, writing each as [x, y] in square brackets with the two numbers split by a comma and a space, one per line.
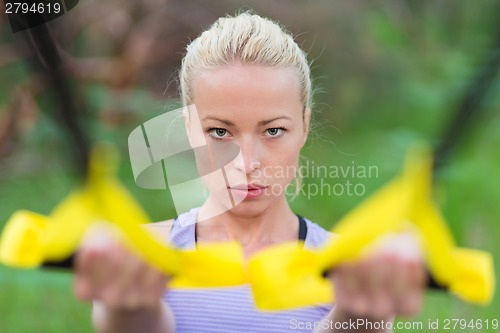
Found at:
[231, 309]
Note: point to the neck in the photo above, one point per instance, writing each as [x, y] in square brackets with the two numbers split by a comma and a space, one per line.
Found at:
[250, 227]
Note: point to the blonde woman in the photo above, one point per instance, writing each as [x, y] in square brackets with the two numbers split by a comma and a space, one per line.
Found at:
[251, 86]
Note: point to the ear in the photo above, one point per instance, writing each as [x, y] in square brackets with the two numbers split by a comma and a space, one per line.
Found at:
[307, 121]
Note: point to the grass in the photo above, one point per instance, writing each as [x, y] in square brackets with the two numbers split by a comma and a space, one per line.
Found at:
[40, 301]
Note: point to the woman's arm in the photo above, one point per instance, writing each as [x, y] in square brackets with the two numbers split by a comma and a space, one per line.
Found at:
[154, 320]
[372, 292]
[126, 292]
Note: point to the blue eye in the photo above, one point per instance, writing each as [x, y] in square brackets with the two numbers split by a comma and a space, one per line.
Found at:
[218, 133]
[275, 131]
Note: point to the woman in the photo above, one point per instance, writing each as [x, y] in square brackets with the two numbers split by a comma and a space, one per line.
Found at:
[250, 84]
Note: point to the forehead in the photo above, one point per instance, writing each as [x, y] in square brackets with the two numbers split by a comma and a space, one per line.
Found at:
[245, 90]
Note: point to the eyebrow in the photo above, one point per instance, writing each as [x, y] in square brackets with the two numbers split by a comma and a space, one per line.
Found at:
[261, 123]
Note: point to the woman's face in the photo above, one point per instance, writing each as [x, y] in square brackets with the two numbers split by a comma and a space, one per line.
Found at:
[258, 109]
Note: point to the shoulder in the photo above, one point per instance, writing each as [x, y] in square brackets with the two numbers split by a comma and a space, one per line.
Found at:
[160, 229]
[317, 236]
[179, 232]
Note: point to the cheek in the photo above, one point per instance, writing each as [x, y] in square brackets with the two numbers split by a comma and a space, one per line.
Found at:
[282, 164]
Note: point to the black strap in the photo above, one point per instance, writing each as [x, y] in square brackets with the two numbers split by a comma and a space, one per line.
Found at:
[195, 235]
[302, 230]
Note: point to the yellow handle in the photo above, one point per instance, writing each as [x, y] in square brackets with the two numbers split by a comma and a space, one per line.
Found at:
[283, 276]
[29, 239]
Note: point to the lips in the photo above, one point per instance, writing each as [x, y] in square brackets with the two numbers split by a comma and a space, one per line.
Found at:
[247, 187]
[247, 191]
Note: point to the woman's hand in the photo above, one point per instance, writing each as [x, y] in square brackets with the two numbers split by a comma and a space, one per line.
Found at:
[389, 282]
[108, 272]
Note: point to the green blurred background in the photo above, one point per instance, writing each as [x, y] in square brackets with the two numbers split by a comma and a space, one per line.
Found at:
[387, 73]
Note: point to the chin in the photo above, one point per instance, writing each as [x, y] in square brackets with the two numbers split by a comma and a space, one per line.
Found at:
[253, 207]
[248, 209]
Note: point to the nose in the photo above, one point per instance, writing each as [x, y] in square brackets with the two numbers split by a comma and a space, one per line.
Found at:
[249, 160]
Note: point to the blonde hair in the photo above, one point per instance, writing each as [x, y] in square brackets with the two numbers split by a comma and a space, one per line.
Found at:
[250, 39]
